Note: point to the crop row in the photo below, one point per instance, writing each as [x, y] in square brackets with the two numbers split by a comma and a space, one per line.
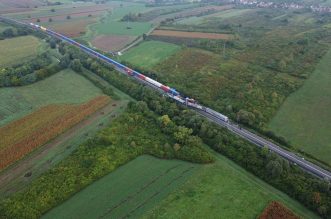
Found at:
[41, 126]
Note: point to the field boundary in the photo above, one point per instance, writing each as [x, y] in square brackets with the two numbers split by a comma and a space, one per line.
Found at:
[192, 34]
[24, 165]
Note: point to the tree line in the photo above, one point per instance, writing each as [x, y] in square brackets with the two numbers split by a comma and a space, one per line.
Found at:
[135, 132]
[31, 71]
[307, 189]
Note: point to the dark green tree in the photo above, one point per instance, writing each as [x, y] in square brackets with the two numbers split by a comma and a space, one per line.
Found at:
[9, 32]
[52, 43]
[76, 65]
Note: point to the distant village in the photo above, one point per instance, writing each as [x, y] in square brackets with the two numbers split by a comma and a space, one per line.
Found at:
[262, 4]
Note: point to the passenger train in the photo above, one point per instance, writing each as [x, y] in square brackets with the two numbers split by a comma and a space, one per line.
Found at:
[171, 92]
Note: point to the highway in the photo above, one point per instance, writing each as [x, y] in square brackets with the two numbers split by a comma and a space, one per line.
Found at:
[231, 126]
[262, 142]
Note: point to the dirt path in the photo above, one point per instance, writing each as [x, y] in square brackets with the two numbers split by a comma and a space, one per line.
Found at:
[20, 173]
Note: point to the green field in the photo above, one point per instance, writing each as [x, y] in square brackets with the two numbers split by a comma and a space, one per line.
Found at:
[18, 49]
[55, 154]
[128, 191]
[120, 28]
[157, 52]
[223, 190]
[46, 10]
[146, 187]
[110, 24]
[63, 87]
[220, 15]
[304, 118]
[231, 13]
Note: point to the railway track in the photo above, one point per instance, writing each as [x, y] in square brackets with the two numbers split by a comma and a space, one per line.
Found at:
[172, 93]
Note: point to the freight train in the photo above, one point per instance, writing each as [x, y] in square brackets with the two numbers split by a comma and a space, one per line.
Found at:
[171, 92]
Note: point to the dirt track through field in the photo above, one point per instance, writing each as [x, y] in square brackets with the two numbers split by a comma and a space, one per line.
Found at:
[128, 198]
[18, 170]
[197, 35]
[159, 191]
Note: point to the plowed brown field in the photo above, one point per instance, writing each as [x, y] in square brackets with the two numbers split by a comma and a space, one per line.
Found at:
[111, 43]
[24, 135]
[11, 6]
[73, 28]
[198, 35]
[63, 16]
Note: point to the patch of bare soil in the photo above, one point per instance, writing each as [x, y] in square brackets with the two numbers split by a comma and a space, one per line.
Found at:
[111, 43]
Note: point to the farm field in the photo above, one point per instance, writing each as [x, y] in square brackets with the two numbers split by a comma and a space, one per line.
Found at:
[81, 15]
[120, 28]
[110, 27]
[197, 35]
[9, 6]
[18, 49]
[190, 12]
[157, 52]
[13, 179]
[231, 13]
[223, 190]
[129, 135]
[128, 191]
[111, 43]
[59, 10]
[26, 134]
[219, 15]
[64, 87]
[304, 118]
[76, 27]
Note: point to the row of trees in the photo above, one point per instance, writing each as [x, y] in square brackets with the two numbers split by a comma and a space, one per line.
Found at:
[312, 192]
[29, 72]
[33, 70]
[12, 32]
